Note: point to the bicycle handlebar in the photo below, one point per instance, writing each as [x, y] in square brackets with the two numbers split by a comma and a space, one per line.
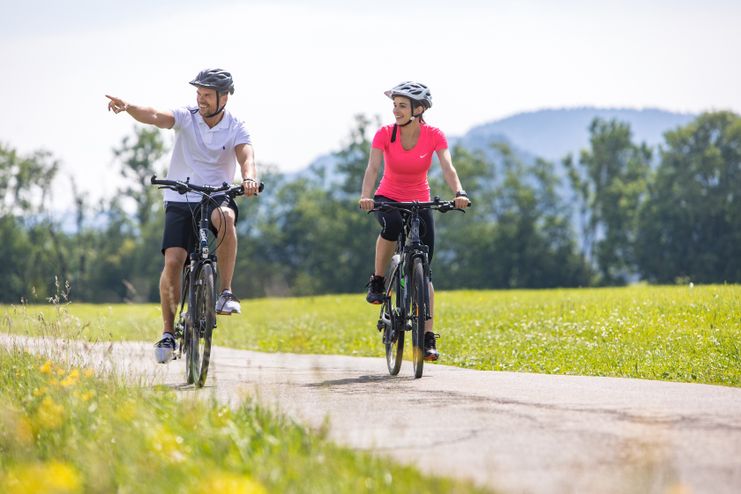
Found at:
[437, 204]
[183, 187]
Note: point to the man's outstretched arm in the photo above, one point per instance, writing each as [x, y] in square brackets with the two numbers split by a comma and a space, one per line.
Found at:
[146, 115]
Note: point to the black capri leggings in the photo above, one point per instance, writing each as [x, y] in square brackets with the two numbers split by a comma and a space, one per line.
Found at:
[392, 223]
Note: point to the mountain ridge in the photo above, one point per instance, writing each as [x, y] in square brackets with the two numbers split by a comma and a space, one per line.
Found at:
[552, 133]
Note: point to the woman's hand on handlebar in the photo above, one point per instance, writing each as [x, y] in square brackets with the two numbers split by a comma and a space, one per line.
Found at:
[462, 202]
[366, 203]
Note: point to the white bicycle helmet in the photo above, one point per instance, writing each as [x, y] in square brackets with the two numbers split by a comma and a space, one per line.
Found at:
[412, 90]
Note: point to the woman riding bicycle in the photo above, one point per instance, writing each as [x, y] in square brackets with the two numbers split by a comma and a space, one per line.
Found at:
[406, 149]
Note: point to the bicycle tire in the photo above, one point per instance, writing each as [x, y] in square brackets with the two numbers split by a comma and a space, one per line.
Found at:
[417, 316]
[393, 331]
[185, 324]
[190, 349]
[204, 321]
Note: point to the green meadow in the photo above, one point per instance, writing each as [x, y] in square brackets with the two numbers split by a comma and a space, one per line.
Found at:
[66, 429]
[674, 333]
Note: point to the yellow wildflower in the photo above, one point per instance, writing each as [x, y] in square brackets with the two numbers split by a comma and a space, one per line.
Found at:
[50, 414]
[71, 379]
[229, 483]
[55, 476]
[46, 368]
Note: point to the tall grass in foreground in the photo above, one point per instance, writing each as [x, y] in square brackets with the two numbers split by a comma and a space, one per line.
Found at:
[65, 430]
[676, 333]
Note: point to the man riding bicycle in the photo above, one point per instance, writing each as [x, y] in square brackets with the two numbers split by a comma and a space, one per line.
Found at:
[209, 143]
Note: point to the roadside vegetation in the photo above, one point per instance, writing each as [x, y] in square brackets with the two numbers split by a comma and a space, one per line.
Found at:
[673, 333]
[65, 429]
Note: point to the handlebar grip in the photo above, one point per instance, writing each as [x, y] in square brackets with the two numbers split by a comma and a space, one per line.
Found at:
[238, 190]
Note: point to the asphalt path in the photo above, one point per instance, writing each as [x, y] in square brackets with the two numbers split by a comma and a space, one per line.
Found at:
[512, 432]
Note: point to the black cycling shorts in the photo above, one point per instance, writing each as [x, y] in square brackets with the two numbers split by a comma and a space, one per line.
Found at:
[392, 224]
[181, 222]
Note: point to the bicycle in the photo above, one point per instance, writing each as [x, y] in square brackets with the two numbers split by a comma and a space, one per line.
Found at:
[406, 305]
[197, 320]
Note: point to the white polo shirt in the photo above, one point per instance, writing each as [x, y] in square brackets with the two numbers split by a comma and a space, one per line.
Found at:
[204, 154]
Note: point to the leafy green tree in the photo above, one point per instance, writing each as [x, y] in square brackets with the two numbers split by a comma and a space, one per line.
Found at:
[352, 159]
[30, 238]
[139, 156]
[611, 183]
[516, 234]
[690, 228]
[15, 245]
[25, 181]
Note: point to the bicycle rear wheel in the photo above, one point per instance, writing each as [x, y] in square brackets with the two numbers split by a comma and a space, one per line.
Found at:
[393, 329]
[203, 322]
[417, 316]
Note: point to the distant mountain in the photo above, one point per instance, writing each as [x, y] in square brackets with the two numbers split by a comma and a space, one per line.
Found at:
[553, 133]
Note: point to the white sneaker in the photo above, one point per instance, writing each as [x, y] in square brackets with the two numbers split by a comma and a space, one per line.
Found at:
[227, 304]
[164, 350]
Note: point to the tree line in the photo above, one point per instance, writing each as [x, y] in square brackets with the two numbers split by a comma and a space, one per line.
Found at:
[616, 213]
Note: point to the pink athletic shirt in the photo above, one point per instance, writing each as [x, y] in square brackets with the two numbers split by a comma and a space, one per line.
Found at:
[405, 172]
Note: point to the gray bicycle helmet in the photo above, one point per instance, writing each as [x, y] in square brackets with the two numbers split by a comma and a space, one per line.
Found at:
[412, 90]
[217, 79]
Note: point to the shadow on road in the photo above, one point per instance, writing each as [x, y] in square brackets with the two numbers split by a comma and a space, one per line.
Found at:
[352, 380]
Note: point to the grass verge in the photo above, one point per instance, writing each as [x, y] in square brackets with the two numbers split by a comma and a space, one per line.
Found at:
[66, 430]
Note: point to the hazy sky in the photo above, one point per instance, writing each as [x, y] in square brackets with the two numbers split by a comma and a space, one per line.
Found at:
[303, 68]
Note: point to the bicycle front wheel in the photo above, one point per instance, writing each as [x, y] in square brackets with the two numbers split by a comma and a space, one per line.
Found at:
[204, 321]
[417, 316]
[184, 326]
[393, 329]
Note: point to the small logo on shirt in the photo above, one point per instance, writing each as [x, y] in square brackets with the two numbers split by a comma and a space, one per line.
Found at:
[422, 156]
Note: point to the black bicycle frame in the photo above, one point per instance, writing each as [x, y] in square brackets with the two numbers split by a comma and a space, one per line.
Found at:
[412, 249]
[201, 253]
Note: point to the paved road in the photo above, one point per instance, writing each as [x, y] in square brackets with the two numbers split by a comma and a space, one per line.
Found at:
[514, 432]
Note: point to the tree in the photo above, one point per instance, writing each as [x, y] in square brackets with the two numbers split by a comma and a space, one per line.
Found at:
[25, 181]
[31, 238]
[352, 159]
[139, 157]
[611, 183]
[516, 234]
[690, 227]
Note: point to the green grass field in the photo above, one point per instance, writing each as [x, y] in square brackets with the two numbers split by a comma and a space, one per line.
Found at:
[676, 333]
[67, 430]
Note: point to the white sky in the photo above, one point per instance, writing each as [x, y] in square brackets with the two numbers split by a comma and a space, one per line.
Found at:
[303, 68]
